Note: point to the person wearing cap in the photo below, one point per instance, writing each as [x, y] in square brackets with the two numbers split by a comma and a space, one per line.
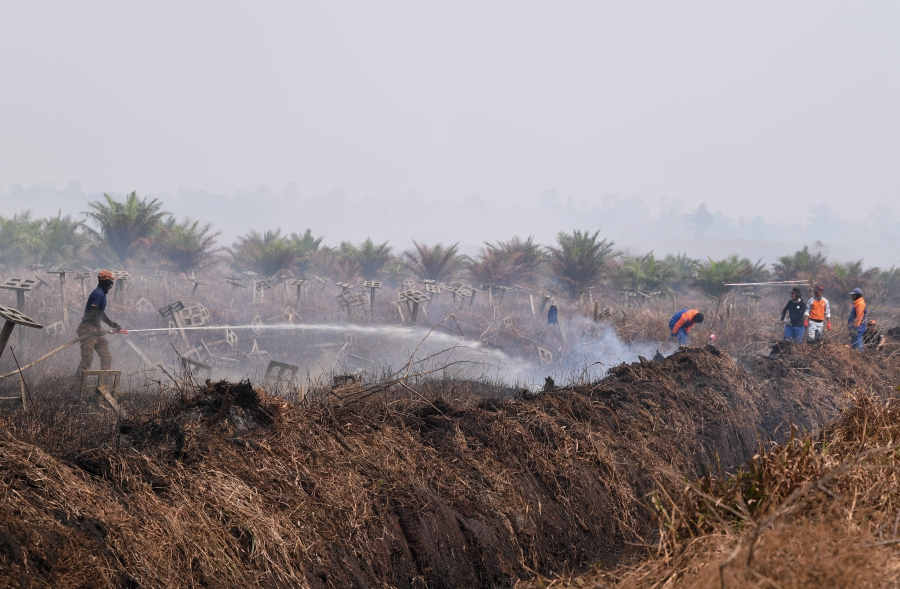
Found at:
[873, 339]
[681, 323]
[817, 316]
[856, 323]
[94, 313]
[794, 309]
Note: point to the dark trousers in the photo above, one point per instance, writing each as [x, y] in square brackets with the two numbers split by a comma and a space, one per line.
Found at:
[856, 338]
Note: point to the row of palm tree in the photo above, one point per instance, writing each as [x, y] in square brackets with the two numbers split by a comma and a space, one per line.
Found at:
[137, 231]
[677, 273]
[55, 240]
[117, 233]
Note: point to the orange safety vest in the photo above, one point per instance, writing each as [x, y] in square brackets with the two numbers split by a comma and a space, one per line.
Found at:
[686, 317]
[859, 307]
[817, 309]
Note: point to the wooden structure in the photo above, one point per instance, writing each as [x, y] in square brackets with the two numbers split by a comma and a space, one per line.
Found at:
[11, 318]
[21, 286]
[299, 283]
[372, 285]
[413, 298]
[103, 388]
[277, 372]
[61, 272]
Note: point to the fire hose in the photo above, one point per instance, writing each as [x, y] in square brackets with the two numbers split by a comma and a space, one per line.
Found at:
[57, 351]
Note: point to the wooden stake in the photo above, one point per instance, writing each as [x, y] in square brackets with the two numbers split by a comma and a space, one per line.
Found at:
[20, 305]
[62, 296]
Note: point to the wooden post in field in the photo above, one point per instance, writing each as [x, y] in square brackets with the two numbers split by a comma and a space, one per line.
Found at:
[372, 285]
[81, 277]
[122, 277]
[261, 286]
[299, 283]
[62, 290]
[164, 280]
[236, 282]
[197, 284]
[252, 276]
[562, 334]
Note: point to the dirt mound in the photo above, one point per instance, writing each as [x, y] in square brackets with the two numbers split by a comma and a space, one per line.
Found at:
[238, 405]
[228, 487]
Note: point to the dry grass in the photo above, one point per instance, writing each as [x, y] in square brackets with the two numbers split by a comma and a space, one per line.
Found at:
[820, 510]
[418, 482]
[426, 483]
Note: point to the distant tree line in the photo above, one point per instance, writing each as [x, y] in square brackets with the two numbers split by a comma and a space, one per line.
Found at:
[138, 232]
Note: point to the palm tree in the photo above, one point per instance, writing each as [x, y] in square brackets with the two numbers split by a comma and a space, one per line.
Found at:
[684, 269]
[21, 239]
[802, 264]
[326, 261]
[712, 275]
[841, 278]
[887, 279]
[435, 262]
[507, 261]
[368, 256]
[65, 240]
[53, 241]
[306, 246]
[186, 244]
[884, 284]
[265, 253]
[646, 274]
[580, 259]
[125, 228]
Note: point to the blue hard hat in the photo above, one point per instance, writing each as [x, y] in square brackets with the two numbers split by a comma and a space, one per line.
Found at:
[857, 291]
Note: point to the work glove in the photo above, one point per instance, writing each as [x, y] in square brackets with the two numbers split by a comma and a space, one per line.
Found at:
[828, 326]
[115, 326]
[806, 323]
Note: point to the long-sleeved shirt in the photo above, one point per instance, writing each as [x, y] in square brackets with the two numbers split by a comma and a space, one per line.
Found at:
[683, 319]
[858, 314]
[796, 309]
[818, 309]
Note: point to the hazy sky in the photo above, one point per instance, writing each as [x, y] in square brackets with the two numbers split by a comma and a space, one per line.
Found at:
[752, 107]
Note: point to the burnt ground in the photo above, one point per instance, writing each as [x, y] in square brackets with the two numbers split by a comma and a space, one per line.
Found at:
[418, 485]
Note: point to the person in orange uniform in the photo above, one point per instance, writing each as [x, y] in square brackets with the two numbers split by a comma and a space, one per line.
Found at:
[856, 323]
[681, 323]
[818, 315]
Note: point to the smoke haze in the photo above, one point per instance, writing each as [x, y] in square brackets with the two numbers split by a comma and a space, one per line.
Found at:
[701, 127]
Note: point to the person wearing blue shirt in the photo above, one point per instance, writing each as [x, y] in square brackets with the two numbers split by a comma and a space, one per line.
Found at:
[94, 313]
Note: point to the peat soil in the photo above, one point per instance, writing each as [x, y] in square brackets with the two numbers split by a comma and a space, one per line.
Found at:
[414, 484]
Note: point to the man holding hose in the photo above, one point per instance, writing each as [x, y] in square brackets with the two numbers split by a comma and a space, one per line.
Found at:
[94, 313]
